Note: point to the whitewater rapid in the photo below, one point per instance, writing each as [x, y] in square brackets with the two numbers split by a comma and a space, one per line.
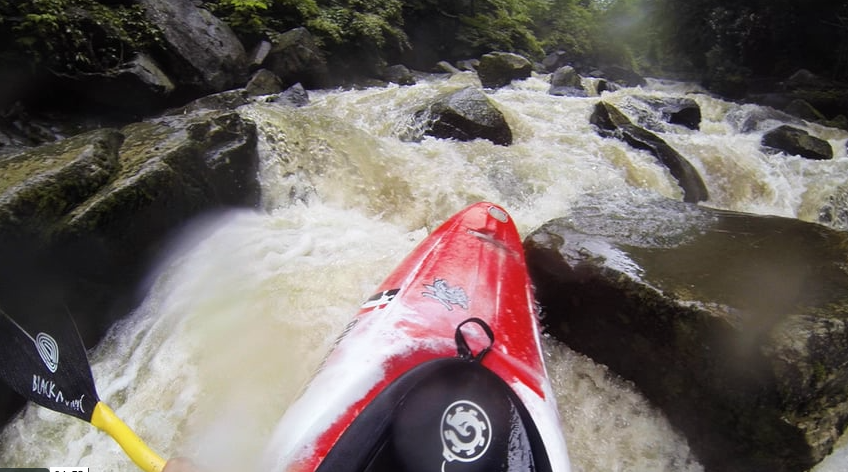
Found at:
[244, 305]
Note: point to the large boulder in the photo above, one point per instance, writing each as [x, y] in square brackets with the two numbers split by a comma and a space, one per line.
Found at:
[610, 122]
[464, 115]
[680, 111]
[556, 60]
[795, 141]
[621, 76]
[497, 69]
[137, 88]
[565, 81]
[735, 325]
[204, 54]
[82, 218]
[296, 58]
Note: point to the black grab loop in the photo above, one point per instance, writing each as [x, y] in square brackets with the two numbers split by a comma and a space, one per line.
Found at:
[462, 348]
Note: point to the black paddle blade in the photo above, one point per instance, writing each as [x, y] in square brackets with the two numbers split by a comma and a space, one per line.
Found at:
[50, 369]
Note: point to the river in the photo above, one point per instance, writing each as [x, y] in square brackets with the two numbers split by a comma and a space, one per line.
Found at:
[242, 308]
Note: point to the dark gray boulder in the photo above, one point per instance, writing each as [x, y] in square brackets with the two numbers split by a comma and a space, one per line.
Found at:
[498, 69]
[296, 58]
[662, 114]
[84, 217]
[258, 54]
[138, 88]
[682, 111]
[203, 52]
[611, 122]
[735, 325]
[295, 96]
[263, 82]
[621, 76]
[398, 74]
[464, 115]
[555, 60]
[795, 141]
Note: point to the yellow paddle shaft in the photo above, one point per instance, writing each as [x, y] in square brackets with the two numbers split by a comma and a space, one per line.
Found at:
[144, 457]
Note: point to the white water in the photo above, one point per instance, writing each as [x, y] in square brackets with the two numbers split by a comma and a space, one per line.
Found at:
[244, 307]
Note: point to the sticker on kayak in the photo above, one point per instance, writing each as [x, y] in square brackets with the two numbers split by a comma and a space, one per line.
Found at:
[466, 432]
[378, 301]
[448, 296]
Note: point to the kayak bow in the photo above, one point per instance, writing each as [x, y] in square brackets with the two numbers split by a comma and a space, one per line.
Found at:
[441, 369]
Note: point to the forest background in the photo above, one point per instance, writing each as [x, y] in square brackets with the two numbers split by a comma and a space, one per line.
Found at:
[717, 42]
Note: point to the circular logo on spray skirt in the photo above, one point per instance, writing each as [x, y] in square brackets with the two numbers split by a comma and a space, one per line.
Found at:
[466, 432]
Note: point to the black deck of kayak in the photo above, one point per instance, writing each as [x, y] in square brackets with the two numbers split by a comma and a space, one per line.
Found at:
[448, 415]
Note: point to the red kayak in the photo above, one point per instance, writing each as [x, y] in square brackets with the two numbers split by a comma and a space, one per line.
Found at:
[441, 370]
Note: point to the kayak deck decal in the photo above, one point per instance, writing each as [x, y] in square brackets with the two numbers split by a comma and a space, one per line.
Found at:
[466, 432]
[448, 296]
[378, 301]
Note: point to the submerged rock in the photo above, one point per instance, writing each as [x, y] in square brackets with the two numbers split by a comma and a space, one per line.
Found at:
[735, 325]
[610, 122]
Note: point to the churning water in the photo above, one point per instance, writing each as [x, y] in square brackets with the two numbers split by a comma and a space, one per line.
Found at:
[244, 306]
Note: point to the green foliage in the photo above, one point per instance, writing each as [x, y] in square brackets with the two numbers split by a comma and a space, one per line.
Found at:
[253, 19]
[364, 23]
[567, 25]
[501, 25]
[358, 25]
[74, 36]
[461, 29]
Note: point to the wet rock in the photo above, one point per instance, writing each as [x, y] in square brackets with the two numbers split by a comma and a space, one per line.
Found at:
[834, 212]
[803, 79]
[469, 65]
[555, 61]
[398, 74]
[445, 66]
[759, 118]
[465, 115]
[735, 325]
[498, 69]
[566, 82]
[603, 85]
[656, 113]
[138, 88]
[610, 122]
[263, 82]
[296, 96]
[795, 141]
[203, 52]
[38, 188]
[296, 58]
[802, 109]
[258, 54]
[96, 209]
[680, 111]
[621, 76]
[228, 100]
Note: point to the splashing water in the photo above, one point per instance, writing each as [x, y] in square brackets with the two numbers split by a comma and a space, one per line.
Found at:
[244, 306]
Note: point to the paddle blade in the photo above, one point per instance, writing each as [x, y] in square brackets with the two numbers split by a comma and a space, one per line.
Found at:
[50, 369]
